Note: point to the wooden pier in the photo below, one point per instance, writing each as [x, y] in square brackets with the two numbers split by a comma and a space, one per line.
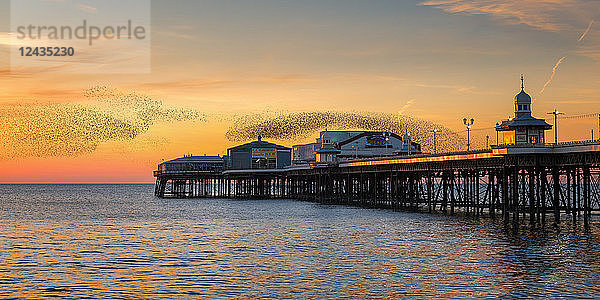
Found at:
[515, 183]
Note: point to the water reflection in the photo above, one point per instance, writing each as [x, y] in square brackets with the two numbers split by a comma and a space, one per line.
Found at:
[121, 242]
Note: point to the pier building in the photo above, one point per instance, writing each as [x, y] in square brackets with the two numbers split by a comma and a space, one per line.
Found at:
[523, 129]
[192, 164]
[347, 145]
[258, 154]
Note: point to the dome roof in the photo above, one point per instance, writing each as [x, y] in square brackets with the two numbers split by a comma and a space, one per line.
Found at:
[523, 98]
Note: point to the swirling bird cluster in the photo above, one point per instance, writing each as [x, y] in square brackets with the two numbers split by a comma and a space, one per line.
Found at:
[74, 129]
[300, 125]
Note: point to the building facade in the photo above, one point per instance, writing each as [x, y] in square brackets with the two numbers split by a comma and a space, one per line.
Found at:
[304, 153]
[193, 164]
[334, 146]
[258, 154]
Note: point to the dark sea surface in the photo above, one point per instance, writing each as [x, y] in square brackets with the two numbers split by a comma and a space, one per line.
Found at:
[119, 241]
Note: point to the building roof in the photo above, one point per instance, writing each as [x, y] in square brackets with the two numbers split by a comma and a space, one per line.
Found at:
[523, 122]
[196, 159]
[523, 98]
[328, 148]
[258, 144]
[367, 133]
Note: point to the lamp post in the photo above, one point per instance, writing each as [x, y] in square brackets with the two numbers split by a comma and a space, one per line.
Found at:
[555, 113]
[435, 131]
[487, 141]
[387, 143]
[468, 123]
[497, 133]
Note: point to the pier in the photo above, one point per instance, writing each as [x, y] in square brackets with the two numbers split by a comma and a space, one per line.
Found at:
[513, 182]
[526, 178]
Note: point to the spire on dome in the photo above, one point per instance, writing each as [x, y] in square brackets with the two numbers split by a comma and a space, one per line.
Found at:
[522, 83]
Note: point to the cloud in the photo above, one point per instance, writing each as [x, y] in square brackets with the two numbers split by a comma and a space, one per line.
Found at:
[7, 39]
[456, 88]
[86, 8]
[26, 72]
[590, 52]
[221, 83]
[547, 15]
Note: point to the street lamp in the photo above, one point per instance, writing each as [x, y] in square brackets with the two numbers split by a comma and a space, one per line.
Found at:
[497, 133]
[487, 141]
[468, 123]
[435, 131]
[555, 113]
[387, 142]
[355, 147]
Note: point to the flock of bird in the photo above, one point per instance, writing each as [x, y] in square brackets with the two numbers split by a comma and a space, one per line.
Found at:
[73, 129]
[300, 125]
[111, 114]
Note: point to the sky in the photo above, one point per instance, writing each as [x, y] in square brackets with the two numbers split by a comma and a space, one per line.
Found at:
[213, 62]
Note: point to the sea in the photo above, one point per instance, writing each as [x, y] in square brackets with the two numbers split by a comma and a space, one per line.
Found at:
[122, 242]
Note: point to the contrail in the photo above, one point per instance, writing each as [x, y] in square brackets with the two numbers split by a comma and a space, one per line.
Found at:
[406, 106]
[552, 75]
[586, 31]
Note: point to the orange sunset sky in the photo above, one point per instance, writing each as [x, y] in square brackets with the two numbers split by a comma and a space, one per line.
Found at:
[438, 60]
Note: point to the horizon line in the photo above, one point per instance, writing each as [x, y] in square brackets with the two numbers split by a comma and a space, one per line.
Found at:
[73, 183]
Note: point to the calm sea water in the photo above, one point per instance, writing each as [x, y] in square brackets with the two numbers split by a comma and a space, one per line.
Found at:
[119, 241]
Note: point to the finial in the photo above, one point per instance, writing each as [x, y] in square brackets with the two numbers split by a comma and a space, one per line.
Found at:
[522, 82]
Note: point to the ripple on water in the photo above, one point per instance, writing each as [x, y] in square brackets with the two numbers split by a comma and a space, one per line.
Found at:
[120, 242]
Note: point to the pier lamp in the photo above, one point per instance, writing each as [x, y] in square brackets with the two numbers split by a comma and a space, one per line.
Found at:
[435, 131]
[468, 123]
[497, 133]
[555, 113]
[387, 142]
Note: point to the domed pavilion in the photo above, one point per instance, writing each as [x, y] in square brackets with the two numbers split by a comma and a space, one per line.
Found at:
[523, 129]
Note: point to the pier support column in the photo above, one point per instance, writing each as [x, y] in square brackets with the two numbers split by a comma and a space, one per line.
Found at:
[556, 195]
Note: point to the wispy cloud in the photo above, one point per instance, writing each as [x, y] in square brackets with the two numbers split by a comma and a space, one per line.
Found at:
[552, 75]
[545, 15]
[456, 88]
[587, 30]
[86, 8]
[222, 83]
